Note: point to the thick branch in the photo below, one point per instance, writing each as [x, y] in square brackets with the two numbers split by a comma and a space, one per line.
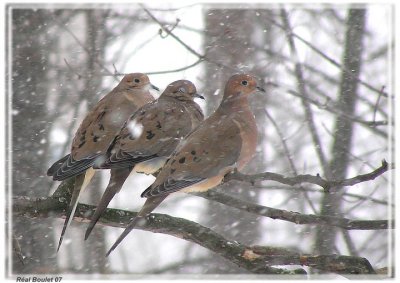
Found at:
[331, 263]
[65, 189]
[156, 223]
[296, 217]
[253, 258]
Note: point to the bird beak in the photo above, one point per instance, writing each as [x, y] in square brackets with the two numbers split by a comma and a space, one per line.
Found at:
[260, 89]
[154, 87]
[199, 96]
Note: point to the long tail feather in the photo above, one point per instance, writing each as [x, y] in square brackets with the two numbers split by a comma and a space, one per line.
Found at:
[81, 182]
[117, 179]
[148, 207]
[57, 165]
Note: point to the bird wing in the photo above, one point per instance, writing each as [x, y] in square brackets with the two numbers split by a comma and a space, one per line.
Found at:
[207, 152]
[154, 130]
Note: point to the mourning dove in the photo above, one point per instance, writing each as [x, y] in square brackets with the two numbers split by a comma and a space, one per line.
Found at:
[95, 134]
[149, 137]
[224, 141]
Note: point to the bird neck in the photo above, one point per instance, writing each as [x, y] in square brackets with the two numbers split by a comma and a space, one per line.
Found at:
[177, 98]
[234, 103]
[137, 96]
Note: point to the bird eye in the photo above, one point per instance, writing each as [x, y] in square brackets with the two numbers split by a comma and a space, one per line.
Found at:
[137, 81]
[244, 82]
[182, 90]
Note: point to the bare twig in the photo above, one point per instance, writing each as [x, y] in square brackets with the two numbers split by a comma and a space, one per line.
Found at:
[115, 69]
[186, 46]
[314, 190]
[169, 32]
[371, 125]
[329, 59]
[315, 87]
[115, 73]
[173, 9]
[377, 103]
[283, 141]
[359, 203]
[85, 48]
[142, 45]
[353, 156]
[118, 16]
[349, 242]
[160, 32]
[289, 157]
[79, 76]
[274, 55]
[176, 70]
[302, 89]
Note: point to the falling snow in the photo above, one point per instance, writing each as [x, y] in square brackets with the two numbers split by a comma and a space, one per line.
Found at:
[135, 129]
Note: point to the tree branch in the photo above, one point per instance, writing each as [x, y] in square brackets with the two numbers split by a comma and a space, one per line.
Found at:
[255, 259]
[85, 48]
[176, 70]
[202, 57]
[371, 125]
[169, 32]
[156, 223]
[307, 178]
[331, 263]
[289, 158]
[309, 115]
[295, 217]
[331, 60]
[346, 194]
[64, 191]
[278, 56]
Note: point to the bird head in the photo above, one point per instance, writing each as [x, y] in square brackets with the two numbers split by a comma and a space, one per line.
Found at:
[182, 90]
[137, 81]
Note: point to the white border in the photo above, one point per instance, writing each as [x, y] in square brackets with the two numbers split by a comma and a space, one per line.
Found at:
[3, 155]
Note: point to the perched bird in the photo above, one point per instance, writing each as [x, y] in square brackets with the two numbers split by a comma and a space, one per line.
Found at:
[149, 137]
[95, 134]
[224, 141]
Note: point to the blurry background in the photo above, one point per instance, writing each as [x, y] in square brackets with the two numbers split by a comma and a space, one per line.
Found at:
[320, 119]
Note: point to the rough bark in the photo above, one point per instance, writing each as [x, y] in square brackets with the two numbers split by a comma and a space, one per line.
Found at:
[30, 54]
[254, 259]
[343, 129]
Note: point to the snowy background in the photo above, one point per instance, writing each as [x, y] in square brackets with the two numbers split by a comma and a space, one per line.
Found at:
[62, 60]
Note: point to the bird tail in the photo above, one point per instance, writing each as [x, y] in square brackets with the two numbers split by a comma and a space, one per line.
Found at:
[53, 169]
[81, 182]
[117, 179]
[150, 204]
